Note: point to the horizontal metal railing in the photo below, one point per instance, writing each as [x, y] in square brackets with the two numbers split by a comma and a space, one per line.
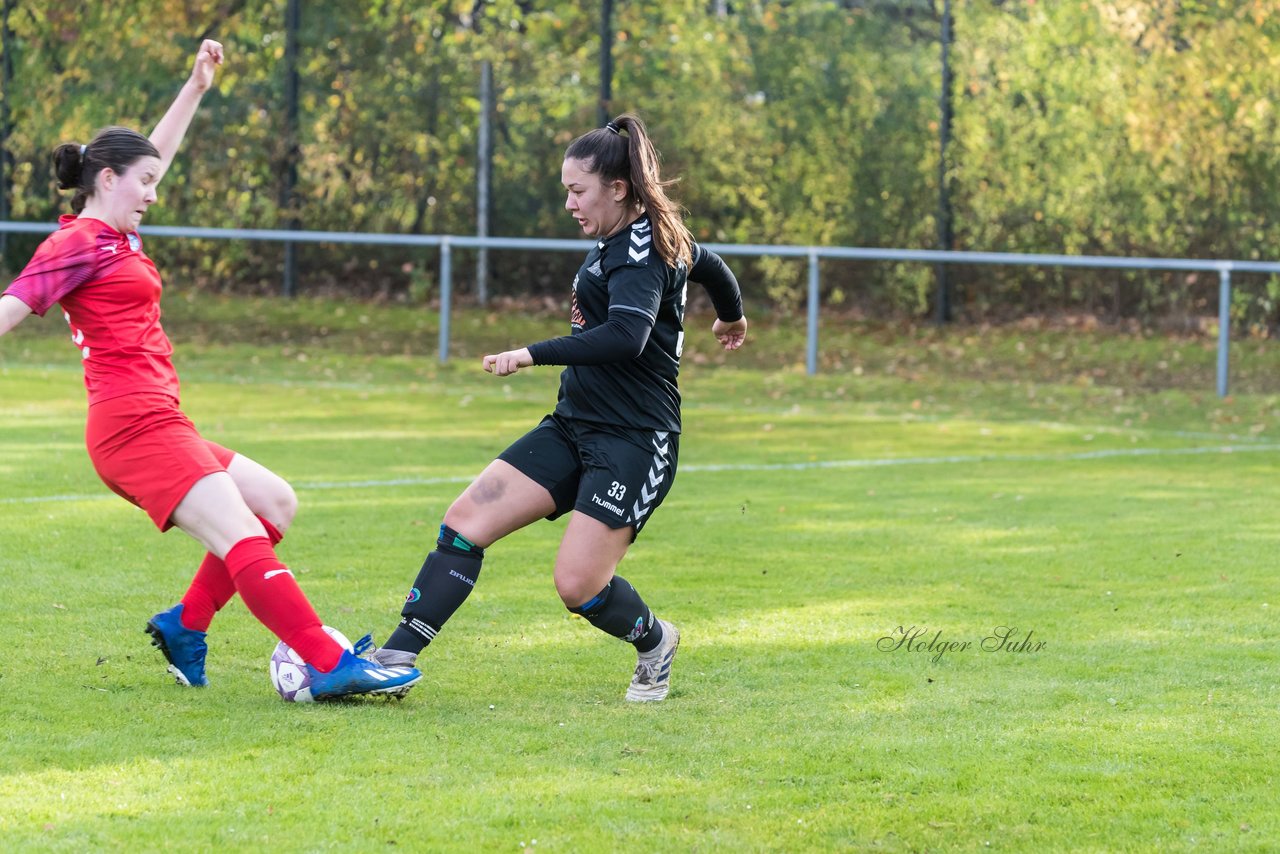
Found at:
[446, 242]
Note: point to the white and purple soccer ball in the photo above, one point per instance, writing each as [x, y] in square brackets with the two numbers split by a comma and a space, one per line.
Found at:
[289, 673]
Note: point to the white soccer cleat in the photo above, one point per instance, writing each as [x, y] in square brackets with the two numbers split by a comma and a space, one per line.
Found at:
[652, 679]
[392, 657]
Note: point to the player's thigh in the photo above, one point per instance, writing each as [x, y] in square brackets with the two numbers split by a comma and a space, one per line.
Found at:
[589, 554]
[501, 500]
[214, 513]
[536, 477]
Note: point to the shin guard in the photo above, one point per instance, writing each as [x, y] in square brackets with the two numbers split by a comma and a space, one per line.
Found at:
[618, 610]
[445, 581]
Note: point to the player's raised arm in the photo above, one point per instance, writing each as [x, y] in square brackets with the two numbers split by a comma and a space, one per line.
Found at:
[12, 312]
[173, 127]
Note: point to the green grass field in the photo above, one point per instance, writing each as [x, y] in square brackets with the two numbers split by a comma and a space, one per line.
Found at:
[1086, 490]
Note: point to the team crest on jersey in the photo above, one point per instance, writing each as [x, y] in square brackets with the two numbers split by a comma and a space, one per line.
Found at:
[134, 243]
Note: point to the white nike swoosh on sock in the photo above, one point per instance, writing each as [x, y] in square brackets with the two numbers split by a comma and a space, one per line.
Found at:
[267, 576]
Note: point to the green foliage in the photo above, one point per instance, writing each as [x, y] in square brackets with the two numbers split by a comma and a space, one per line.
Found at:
[1136, 128]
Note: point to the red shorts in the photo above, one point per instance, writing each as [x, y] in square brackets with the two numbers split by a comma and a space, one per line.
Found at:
[149, 453]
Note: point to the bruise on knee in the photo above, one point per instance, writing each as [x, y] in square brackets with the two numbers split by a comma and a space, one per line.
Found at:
[488, 489]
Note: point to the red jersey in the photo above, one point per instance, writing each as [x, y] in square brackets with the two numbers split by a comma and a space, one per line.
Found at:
[110, 296]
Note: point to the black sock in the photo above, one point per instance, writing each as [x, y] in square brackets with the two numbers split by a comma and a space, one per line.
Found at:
[618, 610]
[445, 581]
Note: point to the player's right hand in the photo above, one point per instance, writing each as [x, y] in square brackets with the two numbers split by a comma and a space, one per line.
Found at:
[504, 364]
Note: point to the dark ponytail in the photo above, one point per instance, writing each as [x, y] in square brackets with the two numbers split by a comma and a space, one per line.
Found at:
[622, 150]
[114, 148]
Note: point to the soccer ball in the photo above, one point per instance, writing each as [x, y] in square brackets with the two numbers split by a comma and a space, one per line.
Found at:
[289, 673]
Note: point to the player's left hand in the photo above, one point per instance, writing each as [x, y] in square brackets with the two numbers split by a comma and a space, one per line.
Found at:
[509, 362]
[731, 334]
[208, 57]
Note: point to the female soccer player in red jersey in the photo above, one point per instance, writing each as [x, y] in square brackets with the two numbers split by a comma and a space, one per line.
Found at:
[139, 441]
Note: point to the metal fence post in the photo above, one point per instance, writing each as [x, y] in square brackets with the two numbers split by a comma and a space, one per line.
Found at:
[484, 170]
[946, 231]
[1224, 327]
[605, 106]
[446, 297]
[288, 190]
[811, 355]
[6, 125]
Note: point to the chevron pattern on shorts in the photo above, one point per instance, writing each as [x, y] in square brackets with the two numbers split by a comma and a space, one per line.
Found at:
[657, 474]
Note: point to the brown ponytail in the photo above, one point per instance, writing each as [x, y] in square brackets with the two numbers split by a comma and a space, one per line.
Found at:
[622, 150]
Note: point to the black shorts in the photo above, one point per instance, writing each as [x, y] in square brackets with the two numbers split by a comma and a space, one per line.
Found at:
[616, 475]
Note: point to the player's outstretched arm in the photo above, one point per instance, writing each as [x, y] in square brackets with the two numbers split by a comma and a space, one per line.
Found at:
[731, 334]
[173, 127]
[12, 312]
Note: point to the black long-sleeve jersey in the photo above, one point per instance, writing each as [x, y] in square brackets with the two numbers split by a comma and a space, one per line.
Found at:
[627, 319]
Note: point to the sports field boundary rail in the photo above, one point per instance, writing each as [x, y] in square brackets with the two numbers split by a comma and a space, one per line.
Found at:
[445, 243]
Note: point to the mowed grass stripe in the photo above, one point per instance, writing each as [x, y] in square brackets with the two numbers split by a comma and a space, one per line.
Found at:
[320, 486]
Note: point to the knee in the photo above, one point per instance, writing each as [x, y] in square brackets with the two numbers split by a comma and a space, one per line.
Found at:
[282, 506]
[463, 518]
[457, 518]
[575, 590]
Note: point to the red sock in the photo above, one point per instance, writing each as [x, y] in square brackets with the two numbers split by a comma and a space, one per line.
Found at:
[273, 596]
[212, 587]
[209, 591]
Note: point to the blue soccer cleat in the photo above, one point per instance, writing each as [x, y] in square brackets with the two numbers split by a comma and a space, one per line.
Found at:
[356, 676]
[184, 648]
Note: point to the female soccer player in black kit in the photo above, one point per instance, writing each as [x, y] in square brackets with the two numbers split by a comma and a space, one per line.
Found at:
[608, 452]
